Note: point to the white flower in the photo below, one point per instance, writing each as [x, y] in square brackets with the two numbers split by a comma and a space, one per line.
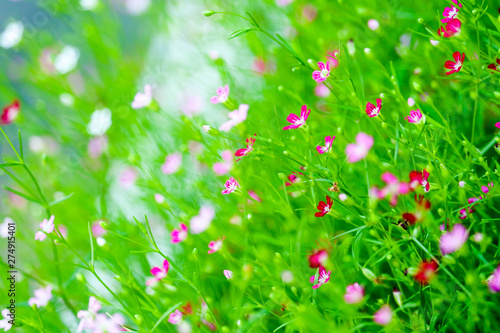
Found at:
[100, 122]
[66, 60]
[89, 4]
[4, 323]
[4, 227]
[12, 35]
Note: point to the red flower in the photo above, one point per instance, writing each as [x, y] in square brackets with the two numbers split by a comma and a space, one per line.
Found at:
[247, 150]
[426, 271]
[496, 66]
[324, 208]
[423, 205]
[9, 113]
[318, 258]
[455, 66]
[452, 28]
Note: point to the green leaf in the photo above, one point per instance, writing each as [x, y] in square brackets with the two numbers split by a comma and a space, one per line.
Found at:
[55, 202]
[240, 32]
[254, 22]
[20, 145]
[25, 196]
[169, 311]
[91, 245]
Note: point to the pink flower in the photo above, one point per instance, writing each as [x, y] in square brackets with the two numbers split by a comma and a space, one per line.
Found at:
[47, 227]
[392, 189]
[328, 144]
[321, 90]
[455, 66]
[222, 95]
[373, 24]
[494, 281]
[452, 28]
[222, 168]
[142, 100]
[453, 240]
[254, 196]
[354, 294]
[357, 151]
[293, 178]
[318, 258]
[231, 185]
[202, 221]
[415, 117]
[497, 125]
[159, 198]
[9, 113]
[159, 273]
[97, 145]
[97, 229]
[88, 316]
[245, 151]
[372, 110]
[323, 278]
[383, 316]
[324, 207]
[323, 73]
[42, 297]
[295, 121]
[175, 317]
[342, 197]
[424, 182]
[236, 117]
[228, 274]
[215, 246]
[172, 163]
[193, 104]
[179, 235]
[450, 13]
[128, 177]
[103, 323]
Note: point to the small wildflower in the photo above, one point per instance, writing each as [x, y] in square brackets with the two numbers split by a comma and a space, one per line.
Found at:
[222, 168]
[452, 28]
[415, 117]
[142, 100]
[215, 246]
[297, 121]
[456, 65]
[323, 73]
[235, 117]
[179, 235]
[461, 183]
[222, 95]
[383, 316]
[324, 208]
[495, 66]
[354, 294]
[9, 113]
[245, 151]
[323, 278]
[47, 227]
[231, 185]
[175, 317]
[159, 273]
[42, 297]
[342, 197]
[478, 237]
[202, 221]
[372, 110]
[453, 240]
[373, 24]
[426, 271]
[5, 323]
[358, 151]
[87, 317]
[449, 14]
[228, 274]
[172, 163]
[494, 281]
[328, 144]
[318, 258]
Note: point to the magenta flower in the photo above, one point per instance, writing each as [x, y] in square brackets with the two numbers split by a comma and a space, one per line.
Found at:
[172, 163]
[494, 281]
[231, 185]
[450, 13]
[9, 113]
[202, 221]
[222, 95]
[486, 189]
[383, 316]
[354, 294]
[159, 273]
[235, 117]
[372, 110]
[42, 297]
[321, 90]
[228, 274]
[318, 258]
[453, 240]
[357, 151]
[297, 121]
[323, 73]
[245, 151]
[179, 235]
[47, 227]
[456, 65]
[328, 144]
[142, 100]
[323, 278]
[175, 317]
[215, 246]
[87, 317]
[452, 28]
[497, 125]
[424, 182]
[222, 168]
[393, 188]
[415, 117]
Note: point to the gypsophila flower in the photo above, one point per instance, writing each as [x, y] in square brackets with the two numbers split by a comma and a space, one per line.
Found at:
[235, 117]
[372, 110]
[297, 121]
[323, 73]
[222, 95]
[357, 151]
[323, 278]
[42, 297]
[215, 246]
[87, 317]
[159, 273]
[172, 163]
[8, 317]
[228, 274]
[179, 235]
[383, 316]
[142, 100]
[453, 240]
[328, 145]
[175, 317]
[354, 294]
[231, 185]
[245, 151]
[47, 227]
[324, 207]
[415, 117]
[202, 221]
[456, 65]
[9, 113]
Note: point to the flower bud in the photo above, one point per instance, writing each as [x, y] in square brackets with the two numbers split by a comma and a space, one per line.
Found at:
[368, 274]
[398, 297]
[208, 13]
[104, 225]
